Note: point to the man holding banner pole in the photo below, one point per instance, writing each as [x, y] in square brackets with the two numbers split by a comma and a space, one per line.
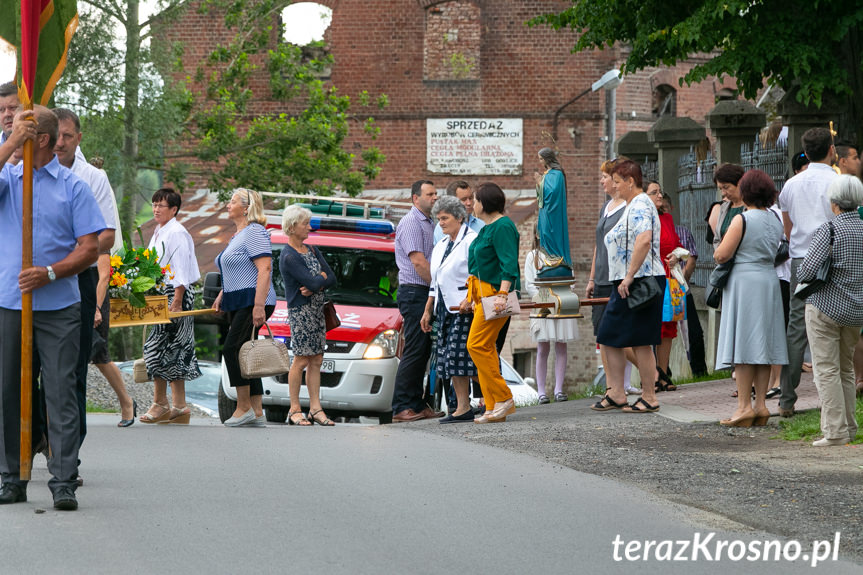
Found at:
[66, 224]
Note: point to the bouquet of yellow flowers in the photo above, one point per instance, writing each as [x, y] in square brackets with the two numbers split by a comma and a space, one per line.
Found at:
[135, 273]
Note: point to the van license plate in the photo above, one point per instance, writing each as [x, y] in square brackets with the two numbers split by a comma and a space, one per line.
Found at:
[328, 366]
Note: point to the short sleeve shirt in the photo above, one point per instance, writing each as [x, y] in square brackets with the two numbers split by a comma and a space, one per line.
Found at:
[639, 216]
[415, 233]
[804, 198]
[239, 272]
[175, 246]
[63, 210]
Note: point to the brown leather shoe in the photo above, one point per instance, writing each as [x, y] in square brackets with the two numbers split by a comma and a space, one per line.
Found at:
[427, 413]
[408, 415]
[786, 412]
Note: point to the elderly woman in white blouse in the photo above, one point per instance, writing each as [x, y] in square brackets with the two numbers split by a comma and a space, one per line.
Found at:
[169, 351]
[449, 289]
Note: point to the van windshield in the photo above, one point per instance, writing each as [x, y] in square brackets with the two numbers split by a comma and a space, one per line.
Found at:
[364, 277]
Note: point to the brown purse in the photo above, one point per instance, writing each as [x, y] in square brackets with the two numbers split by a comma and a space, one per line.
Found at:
[331, 317]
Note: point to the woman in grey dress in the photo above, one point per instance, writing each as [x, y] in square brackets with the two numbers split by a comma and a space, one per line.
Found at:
[752, 327]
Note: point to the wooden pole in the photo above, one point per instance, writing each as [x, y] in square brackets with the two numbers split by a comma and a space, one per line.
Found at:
[26, 458]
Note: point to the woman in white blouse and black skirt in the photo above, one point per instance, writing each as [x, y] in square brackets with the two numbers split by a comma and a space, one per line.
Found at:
[633, 255]
[169, 351]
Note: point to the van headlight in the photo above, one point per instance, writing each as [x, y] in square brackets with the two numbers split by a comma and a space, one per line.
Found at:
[383, 346]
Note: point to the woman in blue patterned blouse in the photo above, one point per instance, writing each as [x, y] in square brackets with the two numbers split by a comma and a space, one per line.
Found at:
[247, 296]
[633, 253]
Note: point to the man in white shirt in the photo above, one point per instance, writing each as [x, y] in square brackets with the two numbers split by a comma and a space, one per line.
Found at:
[805, 206]
[67, 144]
[461, 190]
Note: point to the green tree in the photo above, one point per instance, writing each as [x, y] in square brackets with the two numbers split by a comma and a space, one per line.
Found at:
[112, 81]
[811, 48]
[299, 150]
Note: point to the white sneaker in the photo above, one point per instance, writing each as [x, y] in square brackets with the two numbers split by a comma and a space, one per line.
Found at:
[824, 442]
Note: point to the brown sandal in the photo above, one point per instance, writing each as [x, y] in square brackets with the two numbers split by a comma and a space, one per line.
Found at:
[157, 412]
[179, 416]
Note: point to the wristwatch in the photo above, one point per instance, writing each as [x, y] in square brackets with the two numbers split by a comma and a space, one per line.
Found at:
[51, 275]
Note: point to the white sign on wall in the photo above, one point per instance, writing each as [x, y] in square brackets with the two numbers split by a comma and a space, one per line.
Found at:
[474, 146]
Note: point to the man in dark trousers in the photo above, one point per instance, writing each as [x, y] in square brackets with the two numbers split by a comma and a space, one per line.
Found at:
[414, 243]
[66, 225]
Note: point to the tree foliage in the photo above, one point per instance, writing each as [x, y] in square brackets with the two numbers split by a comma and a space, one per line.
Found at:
[811, 47]
[299, 150]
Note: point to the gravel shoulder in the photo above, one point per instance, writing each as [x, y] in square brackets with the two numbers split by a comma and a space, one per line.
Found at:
[748, 476]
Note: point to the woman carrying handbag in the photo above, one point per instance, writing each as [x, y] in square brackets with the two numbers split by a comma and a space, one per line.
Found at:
[306, 275]
[493, 256]
[247, 296]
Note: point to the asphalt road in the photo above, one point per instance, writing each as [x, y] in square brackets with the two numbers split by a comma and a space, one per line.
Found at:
[353, 499]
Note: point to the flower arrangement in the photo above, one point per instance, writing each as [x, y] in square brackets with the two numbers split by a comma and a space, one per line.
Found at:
[136, 273]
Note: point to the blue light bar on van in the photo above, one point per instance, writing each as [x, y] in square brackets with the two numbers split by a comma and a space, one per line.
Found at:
[352, 225]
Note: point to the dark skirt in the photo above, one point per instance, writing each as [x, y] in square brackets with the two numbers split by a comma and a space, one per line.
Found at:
[622, 327]
[453, 359]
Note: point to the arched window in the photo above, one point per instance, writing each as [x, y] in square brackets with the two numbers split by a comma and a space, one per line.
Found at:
[451, 48]
[664, 101]
[305, 24]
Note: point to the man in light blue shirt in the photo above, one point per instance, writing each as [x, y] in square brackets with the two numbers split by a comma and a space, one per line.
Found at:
[66, 224]
[461, 190]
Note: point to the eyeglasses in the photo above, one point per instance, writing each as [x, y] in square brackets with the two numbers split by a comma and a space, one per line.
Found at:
[163, 206]
[654, 193]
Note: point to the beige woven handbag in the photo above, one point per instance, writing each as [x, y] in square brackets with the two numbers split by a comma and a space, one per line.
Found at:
[264, 357]
[139, 368]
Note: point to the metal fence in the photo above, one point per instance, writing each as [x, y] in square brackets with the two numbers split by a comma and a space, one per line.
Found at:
[695, 193]
[649, 171]
[772, 159]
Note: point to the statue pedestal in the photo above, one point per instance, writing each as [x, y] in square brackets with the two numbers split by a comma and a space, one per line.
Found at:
[557, 292]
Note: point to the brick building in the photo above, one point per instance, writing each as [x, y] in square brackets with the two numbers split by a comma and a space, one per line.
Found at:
[477, 60]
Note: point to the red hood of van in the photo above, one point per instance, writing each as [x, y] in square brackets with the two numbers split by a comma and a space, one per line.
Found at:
[359, 324]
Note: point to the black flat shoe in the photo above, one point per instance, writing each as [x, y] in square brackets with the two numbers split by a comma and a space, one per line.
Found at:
[465, 417]
[773, 392]
[128, 422]
[11, 493]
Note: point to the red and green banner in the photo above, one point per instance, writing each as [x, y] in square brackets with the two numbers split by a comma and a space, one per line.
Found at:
[40, 32]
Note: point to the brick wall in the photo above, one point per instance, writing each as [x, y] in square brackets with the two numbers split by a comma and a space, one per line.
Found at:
[382, 46]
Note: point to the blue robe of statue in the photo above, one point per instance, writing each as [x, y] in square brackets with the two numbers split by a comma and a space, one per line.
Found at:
[553, 226]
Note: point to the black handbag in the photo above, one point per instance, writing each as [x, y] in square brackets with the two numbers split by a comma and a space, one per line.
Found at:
[806, 289]
[719, 276]
[714, 298]
[643, 290]
[783, 251]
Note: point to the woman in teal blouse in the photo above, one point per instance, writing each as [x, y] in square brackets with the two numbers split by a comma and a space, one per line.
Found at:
[493, 268]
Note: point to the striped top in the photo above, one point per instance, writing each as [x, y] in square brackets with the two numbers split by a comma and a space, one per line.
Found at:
[239, 272]
[415, 233]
